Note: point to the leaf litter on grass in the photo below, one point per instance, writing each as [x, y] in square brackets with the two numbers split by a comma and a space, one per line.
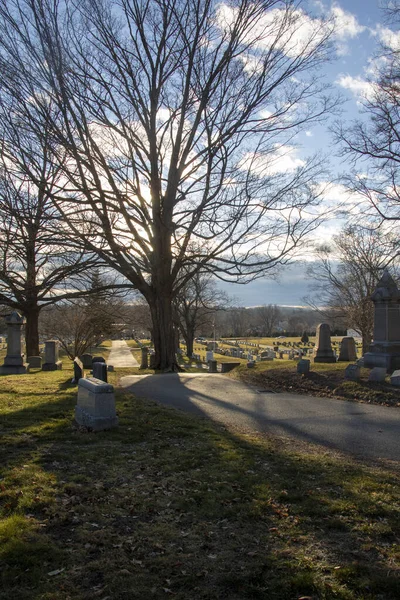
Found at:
[172, 505]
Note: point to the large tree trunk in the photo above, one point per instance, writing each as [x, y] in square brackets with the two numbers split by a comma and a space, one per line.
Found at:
[189, 339]
[366, 340]
[32, 331]
[163, 332]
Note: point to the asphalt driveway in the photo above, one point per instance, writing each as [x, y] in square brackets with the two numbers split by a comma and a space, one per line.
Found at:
[362, 430]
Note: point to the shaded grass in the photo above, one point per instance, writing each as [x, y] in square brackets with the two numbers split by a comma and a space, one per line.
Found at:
[169, 505]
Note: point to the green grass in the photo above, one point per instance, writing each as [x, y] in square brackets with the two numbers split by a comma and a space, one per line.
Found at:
[132, 344]
[169, 505]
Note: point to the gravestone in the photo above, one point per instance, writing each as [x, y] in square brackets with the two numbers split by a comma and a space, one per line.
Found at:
[98, 359]
[348, 352]
[78, 370]
[95, 408]
[352, 373]
[395, 378]
[100, 371]
[87, 361]
[226, 367]
[212, 366]
[209, 356]
[51, 362]
[385, 348]
[303, 366]
[110, 368]
[144, 363]
[377, 374]
[251, 364]
[14, 360]
[323, 349]
[35, 362]
[152, 360]
[267, 355]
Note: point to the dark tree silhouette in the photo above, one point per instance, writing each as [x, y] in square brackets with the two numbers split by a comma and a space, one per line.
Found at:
[173, 126]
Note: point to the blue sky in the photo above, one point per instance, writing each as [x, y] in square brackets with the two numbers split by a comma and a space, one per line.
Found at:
[361, 25]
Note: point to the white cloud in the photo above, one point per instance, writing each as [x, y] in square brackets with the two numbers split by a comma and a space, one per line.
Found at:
[389, 38]
[283, 160]
[358, 86]
[266, 114]
[294, 33]
[309, 133]
[346, 24]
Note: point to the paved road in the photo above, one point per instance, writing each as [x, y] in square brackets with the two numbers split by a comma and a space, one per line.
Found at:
[121, 356]
[361, 430]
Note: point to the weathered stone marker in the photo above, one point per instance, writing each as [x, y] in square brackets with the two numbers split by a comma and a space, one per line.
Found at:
[98, 359]
[35, 362]
[87, 361]
[352, 373]
[212, 366]
[385, 348]
[95, 408]
[144, 364]
[78, 370]
[100, 371]
[377, 374]
[228, 366]
[348, 352]
[303, 366]
[323, 348]
[51, 362]
[395, 378]
[14, 360]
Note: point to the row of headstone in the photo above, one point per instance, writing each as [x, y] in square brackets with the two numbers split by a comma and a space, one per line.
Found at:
[14, 362]
[97, 365]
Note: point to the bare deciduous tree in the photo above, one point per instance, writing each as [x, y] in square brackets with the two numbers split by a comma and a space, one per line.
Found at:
[267, 318]
[81, 324]
[347, 274]
[373, 142]
[195, 307]
[176, 121]
[39, 264]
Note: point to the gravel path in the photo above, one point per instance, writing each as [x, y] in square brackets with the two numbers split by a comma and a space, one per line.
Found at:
[121, 355]
[363, 430]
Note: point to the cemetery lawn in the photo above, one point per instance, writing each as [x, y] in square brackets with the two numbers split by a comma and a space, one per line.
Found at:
[324, 379]
[172, 506]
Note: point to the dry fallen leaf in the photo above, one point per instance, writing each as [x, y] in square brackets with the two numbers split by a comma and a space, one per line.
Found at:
[56, 572]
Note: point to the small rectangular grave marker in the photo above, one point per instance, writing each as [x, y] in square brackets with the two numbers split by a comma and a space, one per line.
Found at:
[352, 373]
[377, 374]
[96, 405]
[100, 371]
[303, 366]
